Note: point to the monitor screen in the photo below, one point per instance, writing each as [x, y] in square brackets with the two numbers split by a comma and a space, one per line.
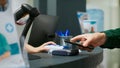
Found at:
[43, 30]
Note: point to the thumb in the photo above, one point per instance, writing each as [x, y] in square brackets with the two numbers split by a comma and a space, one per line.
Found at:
[86, 43]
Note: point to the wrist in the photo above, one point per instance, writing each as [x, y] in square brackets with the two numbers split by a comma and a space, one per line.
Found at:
[103, 35]
[104, 38]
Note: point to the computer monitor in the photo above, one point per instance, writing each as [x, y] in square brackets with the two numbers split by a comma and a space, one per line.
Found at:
[42, 30]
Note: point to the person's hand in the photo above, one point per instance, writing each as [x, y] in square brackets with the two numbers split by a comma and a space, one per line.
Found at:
[94, 39]
[41, 48]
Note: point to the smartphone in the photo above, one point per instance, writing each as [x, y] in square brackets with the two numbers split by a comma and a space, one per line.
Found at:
[88, 48]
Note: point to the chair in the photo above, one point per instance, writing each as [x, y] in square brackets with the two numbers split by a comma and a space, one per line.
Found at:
[43, 30]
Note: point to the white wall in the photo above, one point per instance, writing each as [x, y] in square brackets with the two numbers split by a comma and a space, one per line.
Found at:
[111, 20]
[17, 3]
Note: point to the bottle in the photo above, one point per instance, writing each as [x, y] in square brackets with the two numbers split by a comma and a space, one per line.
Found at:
[92, 29]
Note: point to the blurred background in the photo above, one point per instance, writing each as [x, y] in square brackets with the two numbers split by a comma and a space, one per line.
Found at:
[110, 8]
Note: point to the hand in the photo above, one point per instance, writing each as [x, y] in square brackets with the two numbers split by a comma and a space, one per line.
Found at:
[41, 48]
[94, 39]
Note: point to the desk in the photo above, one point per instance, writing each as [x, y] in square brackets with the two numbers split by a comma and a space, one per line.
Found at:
[83, 60]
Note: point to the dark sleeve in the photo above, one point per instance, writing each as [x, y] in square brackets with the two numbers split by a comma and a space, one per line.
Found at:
[113, 39]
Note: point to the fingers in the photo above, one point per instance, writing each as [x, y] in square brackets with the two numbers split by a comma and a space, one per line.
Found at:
[87, 42]
[77, 38]
[50, 42]
[84, 39]
[42, 48]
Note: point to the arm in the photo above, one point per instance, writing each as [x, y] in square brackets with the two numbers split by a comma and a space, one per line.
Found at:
[113, 39]
[106, 39]
[41, 48]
